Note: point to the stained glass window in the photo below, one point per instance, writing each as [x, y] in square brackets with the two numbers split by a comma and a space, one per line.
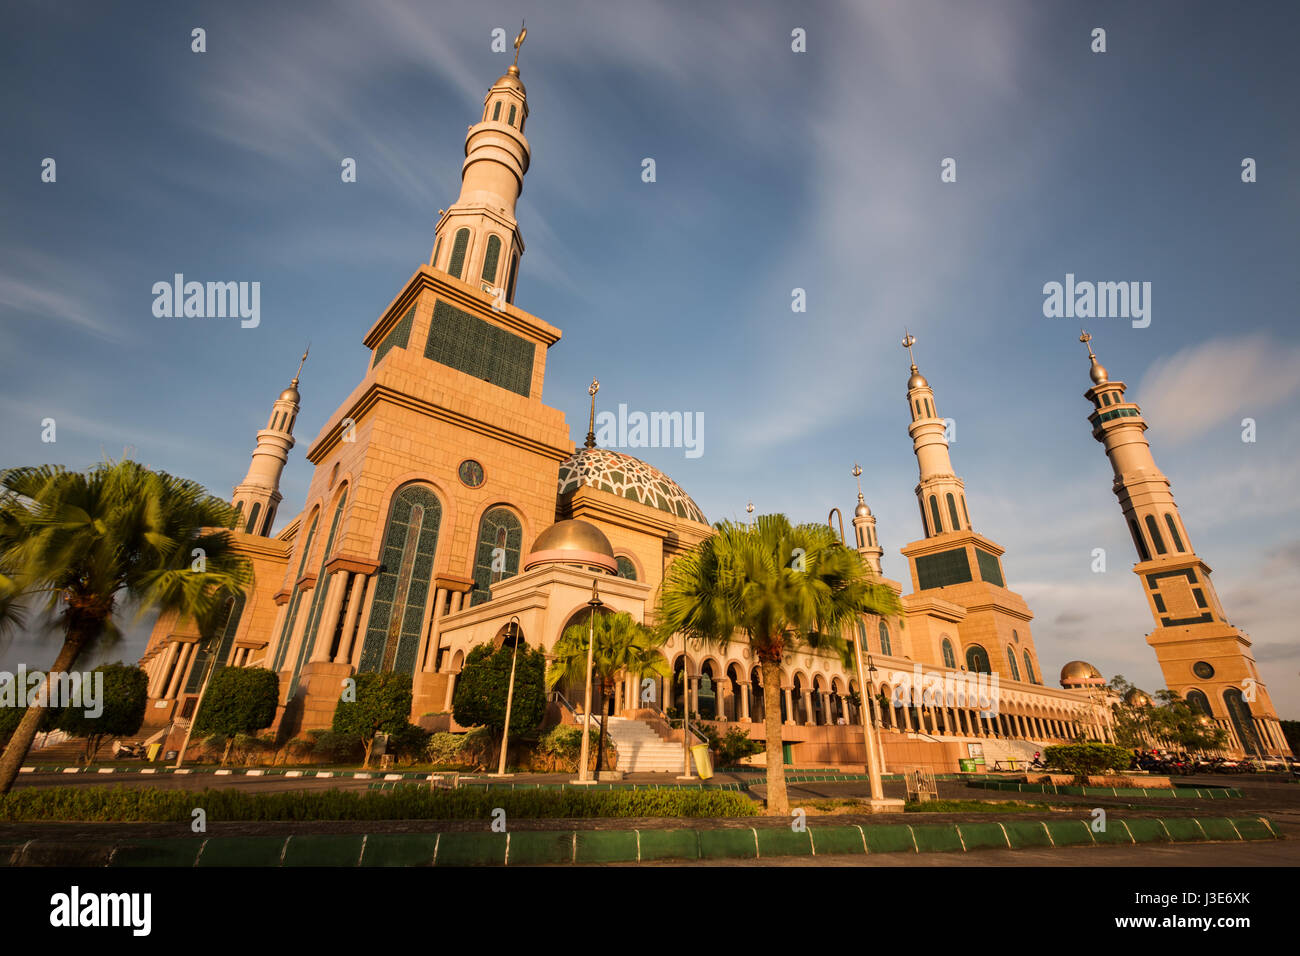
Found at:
[459, 249]
[295, 598]
[479, 348]
[398, 336]
[318, 596]
[500, 539]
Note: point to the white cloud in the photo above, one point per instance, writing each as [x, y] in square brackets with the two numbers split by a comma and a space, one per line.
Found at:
[1204, 385]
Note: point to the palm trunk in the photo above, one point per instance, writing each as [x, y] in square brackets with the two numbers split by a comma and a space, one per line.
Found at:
[21, 742]
[600, 741]
[778, 803]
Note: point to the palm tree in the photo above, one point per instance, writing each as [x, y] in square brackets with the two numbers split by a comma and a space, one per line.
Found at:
[784, 587]
[76, 544]
[623, 646]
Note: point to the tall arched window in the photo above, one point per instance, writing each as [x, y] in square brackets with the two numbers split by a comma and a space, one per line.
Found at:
[514, 268]
[1200, 703]
[1242, 720]
[1173, 532]
[251, 527]
[1011, 659]
[459, 248]
[1143, 553]
[500, 538]
[934, 513]
[886, 647]
[1029, 670]
[490, 259]
[496, 111]
[949, 659]
[295, 597]
[952, 512]
[511, 120]
[964, 513]
[410, 542]
[1154, 531]
[318, 595]
[626, 569]
[977, 660]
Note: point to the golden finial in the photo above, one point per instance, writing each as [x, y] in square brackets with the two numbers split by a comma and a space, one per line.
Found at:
[591, 424]
[908, 341]
[298, 374]
[519, 41]
[749, 508]
[1086, 339]
[857, 473]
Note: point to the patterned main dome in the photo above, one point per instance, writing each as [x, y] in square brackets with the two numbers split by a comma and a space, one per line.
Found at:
[627, 477]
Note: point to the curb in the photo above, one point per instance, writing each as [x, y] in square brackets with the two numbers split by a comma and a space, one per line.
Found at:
[532, 848]
[1208, 793]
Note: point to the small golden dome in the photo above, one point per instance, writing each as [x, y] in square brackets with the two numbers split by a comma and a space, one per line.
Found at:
[573, 542]
[916, 381]
[1098, 373]
[1080, 672]
[511, 79]
[862, 511]
[1136, 698]
[290, 394]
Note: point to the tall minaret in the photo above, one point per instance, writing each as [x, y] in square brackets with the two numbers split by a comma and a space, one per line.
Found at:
[864, 529]
[941, 494]
[1202, 656]
[258, 495]
[477, 239]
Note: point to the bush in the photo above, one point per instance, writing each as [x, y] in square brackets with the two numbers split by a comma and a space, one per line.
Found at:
[735, 747]
[332, 747]
[138, 804]
[382, 705]
[559, 750]
[238, 701]
[483, 685]
[468, 751]
[1086, 759]
[409, 744]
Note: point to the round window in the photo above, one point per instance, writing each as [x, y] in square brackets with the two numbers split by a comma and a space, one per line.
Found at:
[1203, 669]
[471, 473]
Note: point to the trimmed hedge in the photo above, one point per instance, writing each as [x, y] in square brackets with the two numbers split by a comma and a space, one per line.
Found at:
[132, 804]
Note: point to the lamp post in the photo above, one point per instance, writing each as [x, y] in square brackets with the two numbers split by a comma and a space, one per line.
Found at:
[868, 734]
[512, 628]
[595, 603]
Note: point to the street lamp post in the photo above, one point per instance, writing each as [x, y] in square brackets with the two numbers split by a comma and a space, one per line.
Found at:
[868, 734]
[595, 603]
[512, 628]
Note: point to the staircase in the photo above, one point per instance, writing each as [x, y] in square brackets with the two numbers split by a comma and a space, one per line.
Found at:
[641, 750]
[1001, 749]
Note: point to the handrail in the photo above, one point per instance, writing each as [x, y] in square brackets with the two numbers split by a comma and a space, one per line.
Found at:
[563, 701]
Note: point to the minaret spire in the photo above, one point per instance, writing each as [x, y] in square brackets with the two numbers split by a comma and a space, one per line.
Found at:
[942, 495]
[864, 528]
[591, 422]
[1204, 658]
[477, 239]
[258, 495]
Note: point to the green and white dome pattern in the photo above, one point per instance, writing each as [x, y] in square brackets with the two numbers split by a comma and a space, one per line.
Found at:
[629, 478]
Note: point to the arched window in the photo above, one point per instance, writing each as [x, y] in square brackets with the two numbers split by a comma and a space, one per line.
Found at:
[514, 269]
[251, 527]
[934, 514]
[1173, 532]
[410, 542]
[626, 569]
[1242, 721]
[295, 597]
[886, 647]
[496, 111]
[1011, 659]
[952, 512]
[1197, 700]
[1154, 531]
[929, 406]
[500, 538]
[490, 259]
[1029, 670]
[511, 120]
[964, 513]
[1143, 553]
[977, 660]
[318, 596]
[917, 404]
[459, 248]
[949, 659]
[239, 507]
[437, 247]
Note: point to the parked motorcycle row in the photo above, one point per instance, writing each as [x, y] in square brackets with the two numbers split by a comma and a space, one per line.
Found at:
[1181, 764]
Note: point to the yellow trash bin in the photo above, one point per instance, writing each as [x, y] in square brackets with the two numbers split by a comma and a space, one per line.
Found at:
[703, 764]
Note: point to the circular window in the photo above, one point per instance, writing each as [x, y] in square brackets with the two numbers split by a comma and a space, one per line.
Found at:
[1203, 669]
[471, 473]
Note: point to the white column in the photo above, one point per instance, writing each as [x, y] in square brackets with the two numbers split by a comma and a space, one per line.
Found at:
[164, 670]
[430, 663]
[744, 701]
[329, 618]
[182, 660]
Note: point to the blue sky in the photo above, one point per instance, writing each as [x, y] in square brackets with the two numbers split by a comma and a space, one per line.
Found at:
[775, 170]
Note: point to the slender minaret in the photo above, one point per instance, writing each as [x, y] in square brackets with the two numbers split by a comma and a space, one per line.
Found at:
[258, 495]
[1202, 656]
[864, 529]
[477, 239]
[941, 494]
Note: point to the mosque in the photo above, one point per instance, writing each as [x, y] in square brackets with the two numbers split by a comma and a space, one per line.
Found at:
[448, 501]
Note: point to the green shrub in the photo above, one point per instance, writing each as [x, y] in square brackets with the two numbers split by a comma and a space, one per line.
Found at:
[1086, 759]
[560, 748]
[138, 804]
[735, 746]
[381, 705]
